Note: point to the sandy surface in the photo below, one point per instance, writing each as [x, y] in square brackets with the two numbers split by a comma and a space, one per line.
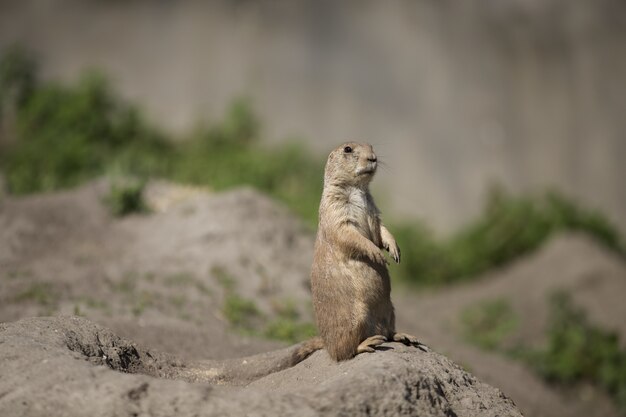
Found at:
[68, 366]
[161, 280]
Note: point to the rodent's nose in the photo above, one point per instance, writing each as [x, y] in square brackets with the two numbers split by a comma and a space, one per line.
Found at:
[372, 158]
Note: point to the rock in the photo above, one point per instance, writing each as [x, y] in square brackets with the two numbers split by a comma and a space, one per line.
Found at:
[69, 366]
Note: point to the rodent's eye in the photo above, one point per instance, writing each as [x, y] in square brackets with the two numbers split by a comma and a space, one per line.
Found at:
[347, 149]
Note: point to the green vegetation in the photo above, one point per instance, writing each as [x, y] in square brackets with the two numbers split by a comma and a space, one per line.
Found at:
[138, 300]
[85, 303]
[179, 279]
[40, 293]
[126, 197]
[245, 316]
[578, 351]
[94, 303]
[178, 300]
[508, 228]
[488, 323]
[230, 154]
[18, 273]
[241, 312]
[141, 301]
[126, 285]
[60, 136]
[57, 136]
[224, 278]
[184, 279]
[288, 325]
[289, 330]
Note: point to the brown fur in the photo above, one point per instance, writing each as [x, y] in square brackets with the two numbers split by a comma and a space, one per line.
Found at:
[305, 349]
[349, 277]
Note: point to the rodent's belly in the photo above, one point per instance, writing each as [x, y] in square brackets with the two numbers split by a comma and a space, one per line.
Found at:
[372, 302]
[371, 285]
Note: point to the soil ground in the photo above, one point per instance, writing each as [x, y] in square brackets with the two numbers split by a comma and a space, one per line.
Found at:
[162, 280]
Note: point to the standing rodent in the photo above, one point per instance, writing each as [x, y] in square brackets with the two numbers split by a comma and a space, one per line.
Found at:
[349, 277]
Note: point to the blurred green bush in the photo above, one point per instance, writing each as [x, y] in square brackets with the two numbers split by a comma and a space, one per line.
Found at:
[125, 196]
[228, 154]
[65, 135]
[577, 351]
[488, 323]
[62, 135]
[508, 227]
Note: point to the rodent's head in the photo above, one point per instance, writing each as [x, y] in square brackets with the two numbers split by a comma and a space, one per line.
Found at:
[352, 163]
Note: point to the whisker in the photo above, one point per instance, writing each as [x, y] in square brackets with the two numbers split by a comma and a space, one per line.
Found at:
[384, 166]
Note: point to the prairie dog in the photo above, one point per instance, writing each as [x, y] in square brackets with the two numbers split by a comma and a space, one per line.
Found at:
[349, 277]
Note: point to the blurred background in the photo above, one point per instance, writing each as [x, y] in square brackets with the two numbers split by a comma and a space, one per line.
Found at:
[500, 124]
[455, 96]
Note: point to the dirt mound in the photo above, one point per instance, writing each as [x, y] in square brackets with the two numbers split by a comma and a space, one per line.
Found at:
[164, 280]
[158, 277]
[67, 366]
[596, 280]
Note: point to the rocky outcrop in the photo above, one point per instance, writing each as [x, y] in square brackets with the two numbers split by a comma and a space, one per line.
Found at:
[69, 366]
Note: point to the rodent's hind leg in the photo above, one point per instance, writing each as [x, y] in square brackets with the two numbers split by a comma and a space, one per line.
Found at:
[370, 343]
[407, 339]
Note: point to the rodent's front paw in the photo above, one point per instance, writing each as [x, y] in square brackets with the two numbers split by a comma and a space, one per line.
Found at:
[394, 251]
[379, 257]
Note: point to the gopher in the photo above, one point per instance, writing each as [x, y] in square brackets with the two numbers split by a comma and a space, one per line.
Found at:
[349, 278]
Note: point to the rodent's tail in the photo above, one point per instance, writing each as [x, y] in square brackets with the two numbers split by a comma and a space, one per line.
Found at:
[305, 349]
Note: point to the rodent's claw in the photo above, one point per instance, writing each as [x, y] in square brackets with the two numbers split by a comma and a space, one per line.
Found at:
[395, 254]
[422, 347]
[377, 339]
[408, 339]
[405, 338]
[368, 344]
[379, 258]
[394, 251]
